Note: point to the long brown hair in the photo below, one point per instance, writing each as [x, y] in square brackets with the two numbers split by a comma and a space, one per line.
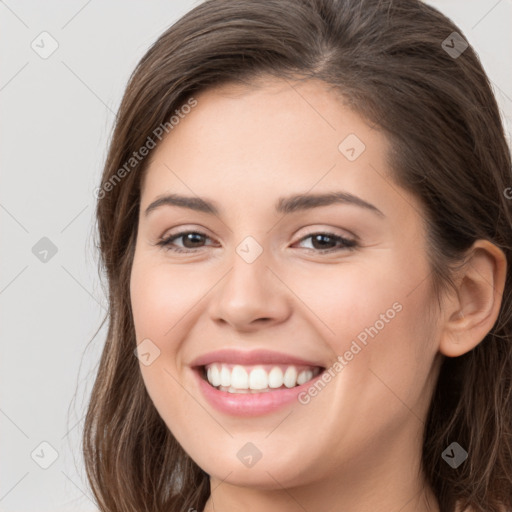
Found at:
[390, 61]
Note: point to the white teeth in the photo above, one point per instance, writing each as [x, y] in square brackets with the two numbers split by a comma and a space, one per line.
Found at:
[275, 377]
[214, 379]
[258, 379]
[225, 376]
[290, 377]
[304, 376]
[238, 378]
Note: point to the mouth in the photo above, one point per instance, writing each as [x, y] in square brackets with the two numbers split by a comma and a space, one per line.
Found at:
[259, 378]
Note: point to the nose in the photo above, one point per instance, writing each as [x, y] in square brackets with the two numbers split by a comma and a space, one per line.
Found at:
[250, 296]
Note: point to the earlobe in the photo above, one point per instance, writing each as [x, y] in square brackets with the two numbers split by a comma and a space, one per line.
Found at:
[470, 317]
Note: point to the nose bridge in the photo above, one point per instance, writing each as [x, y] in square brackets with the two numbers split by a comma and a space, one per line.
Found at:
[249, 292]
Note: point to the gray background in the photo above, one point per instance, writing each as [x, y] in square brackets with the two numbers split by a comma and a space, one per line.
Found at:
[56, 119]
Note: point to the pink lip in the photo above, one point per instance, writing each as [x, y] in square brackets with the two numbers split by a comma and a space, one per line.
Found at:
[250, 358]
[250, 404]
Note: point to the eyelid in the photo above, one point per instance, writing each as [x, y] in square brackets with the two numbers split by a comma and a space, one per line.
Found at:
[186, 228]
[347, 243]
[166, 240]
[343, 233]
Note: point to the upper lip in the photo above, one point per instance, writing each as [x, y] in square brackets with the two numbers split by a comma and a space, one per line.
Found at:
[250, 358]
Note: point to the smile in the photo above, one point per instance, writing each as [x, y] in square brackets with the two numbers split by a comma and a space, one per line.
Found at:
[236, 378]
[247, 402]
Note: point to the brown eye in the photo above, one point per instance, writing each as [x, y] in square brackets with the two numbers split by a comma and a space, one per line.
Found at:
[321, 242]
[328, 242]
[190, 240]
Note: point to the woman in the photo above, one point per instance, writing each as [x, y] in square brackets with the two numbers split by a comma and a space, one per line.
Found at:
[306, 226]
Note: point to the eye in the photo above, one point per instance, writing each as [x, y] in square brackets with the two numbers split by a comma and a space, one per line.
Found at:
[191, 240]
[324, 242]
[321, 242]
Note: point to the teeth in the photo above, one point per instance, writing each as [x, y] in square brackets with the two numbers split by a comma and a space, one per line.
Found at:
[290, 377]
[238, 378]
[275, 377]
[225, 376]
[258, 379]
[304, 376]
[214, 376]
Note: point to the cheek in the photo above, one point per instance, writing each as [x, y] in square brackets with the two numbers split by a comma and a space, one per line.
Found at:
[161, 299]
[374, 315]
[351, 297]
[161, 296]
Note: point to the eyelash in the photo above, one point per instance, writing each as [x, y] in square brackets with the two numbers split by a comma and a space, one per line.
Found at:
[347, 244]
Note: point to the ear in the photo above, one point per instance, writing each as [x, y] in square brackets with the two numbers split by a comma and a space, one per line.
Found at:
[470, 316]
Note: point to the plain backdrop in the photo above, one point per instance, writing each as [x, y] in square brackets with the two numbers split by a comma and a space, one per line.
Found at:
[57, 112]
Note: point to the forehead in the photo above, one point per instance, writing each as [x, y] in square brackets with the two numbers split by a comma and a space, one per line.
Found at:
[278, 130]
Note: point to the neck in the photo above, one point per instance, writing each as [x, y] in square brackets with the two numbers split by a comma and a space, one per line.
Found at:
[358, 487]
[289, 501]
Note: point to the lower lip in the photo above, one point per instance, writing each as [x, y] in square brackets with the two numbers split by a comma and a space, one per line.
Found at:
[251, 404]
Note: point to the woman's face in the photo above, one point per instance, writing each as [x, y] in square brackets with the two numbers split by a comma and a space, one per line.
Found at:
[257, 284]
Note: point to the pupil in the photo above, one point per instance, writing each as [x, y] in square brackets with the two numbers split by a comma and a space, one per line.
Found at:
[196, 238]
[190, 238]
[322, 238]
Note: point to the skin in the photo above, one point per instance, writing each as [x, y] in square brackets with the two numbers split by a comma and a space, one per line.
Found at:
[355, 446]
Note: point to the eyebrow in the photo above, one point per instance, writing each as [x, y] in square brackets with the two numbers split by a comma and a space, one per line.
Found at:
[285, 205]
